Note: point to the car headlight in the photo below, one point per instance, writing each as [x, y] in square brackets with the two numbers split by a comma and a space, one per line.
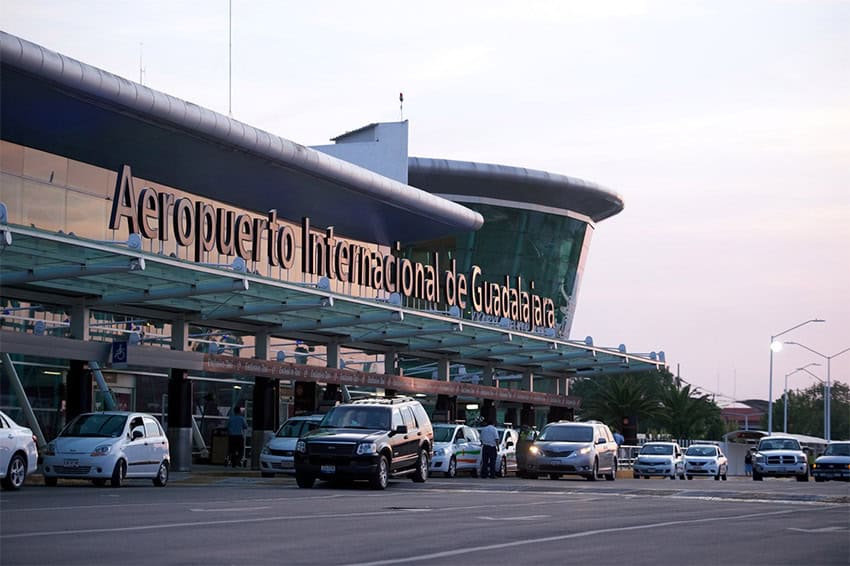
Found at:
[301, 447]
[759, 458]
[50, 449]
[101, 450]
[439, 452]
[265, 451]
[582, 451]
[533, 450]
[366, 448]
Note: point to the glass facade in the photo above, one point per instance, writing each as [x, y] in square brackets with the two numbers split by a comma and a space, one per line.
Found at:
[543, 247]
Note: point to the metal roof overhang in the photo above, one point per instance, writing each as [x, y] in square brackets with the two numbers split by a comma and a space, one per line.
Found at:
[62, 106]
[58, 269]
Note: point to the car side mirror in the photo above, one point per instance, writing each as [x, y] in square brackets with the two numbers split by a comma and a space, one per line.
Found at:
[136, 434]
[401, 429]
[601, 440]
[509, 443]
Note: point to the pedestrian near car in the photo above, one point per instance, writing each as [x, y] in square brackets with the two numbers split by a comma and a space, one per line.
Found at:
[748, 462]
[236, 427]
[489, 446]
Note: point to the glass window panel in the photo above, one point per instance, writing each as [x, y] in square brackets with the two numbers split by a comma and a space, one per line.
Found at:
[90, 179]
[43, 206]
[86, 216]
[11, 158]
[11, 194]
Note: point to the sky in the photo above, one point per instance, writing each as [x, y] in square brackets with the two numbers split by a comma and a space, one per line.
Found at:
[724, 125]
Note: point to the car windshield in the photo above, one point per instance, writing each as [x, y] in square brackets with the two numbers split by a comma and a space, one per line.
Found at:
[837, 450]
[355, 416]
[778, 444]
[701, 451]
[567, 434]
[96, 425]
[443, 433]
[657, 449]
[295, 429]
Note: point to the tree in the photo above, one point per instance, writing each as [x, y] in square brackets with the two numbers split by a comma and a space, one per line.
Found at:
[612, 399]
[687, 415]
[805, 411]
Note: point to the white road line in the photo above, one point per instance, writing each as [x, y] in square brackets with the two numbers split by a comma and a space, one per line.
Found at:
[228, 509]
[477, 549]
[526, 518]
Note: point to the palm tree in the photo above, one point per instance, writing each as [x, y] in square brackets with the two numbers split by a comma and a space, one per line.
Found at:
[685, 413]
[619, 399]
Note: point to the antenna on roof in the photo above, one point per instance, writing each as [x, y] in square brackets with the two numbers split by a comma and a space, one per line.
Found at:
[141, 66]
[401, 105]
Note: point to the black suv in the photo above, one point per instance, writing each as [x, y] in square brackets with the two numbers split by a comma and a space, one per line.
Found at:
[368, 439]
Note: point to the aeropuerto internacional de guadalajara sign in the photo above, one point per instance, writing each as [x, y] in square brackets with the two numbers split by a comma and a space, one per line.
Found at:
[160, 215]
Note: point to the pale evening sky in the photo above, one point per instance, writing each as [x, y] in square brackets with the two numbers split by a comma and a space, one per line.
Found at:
[724, 125]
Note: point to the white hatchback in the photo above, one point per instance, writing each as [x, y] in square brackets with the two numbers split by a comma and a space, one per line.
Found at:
[456, 448]
[277, 455]
[113, 445]
[18, 453]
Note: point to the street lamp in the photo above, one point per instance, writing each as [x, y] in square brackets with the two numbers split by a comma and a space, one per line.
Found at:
[827, 432]
[787, 375]
[775, 347]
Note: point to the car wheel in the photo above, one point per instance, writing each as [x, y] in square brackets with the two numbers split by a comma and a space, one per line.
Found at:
[118, 474]
[723, 477]
[595, 473]
[717, 476]
[422, 464]
[16, 473]
[635, 476]
[99, 482]
[503, 468]
[531, 476]
[161, 478]
[613, 474]
[554, 476]
[50, 482]
[304, 480]
[451, 471]
[757, 476]
[818, 479]
[803, 477]
[381, 475]
[266, 474]
[689, 476]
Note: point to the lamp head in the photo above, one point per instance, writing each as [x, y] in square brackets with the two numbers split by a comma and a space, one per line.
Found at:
[776, 346]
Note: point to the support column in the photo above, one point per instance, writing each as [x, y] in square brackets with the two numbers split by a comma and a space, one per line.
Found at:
[180, 403]
[488, 411]
[305, 398]
[487, 376]
[391, 367]
[527, 383]
[264, 404]
[78, 391]
[445, 410]
[443, 369]
[528, 416]
[511, 416]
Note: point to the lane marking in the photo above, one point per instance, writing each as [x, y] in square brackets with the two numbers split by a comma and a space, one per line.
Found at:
[821, 530]
[478, 549]
[526, 518]
[228, 509]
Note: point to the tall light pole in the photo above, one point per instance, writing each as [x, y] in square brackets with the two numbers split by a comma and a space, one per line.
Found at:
[775, 347]
[827, 432]
[787, 375]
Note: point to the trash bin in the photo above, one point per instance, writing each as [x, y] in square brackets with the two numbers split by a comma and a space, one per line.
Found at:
[219, 448]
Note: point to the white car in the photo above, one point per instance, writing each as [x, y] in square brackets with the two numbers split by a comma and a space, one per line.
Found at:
[705, 460]
[112, 445]
[659, 459]
[277, 455]
[457, 448]
[18, 453]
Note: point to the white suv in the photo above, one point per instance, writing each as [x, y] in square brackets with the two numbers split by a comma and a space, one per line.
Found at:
[778, 457]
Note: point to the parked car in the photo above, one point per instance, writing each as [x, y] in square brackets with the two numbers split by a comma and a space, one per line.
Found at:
[705, 460]
[780, 457]
[586, 449]
[367, 439]
[659, 459]
[457, 448]
[18, 453]
[834, 463]
[112, 445]
[277, 454]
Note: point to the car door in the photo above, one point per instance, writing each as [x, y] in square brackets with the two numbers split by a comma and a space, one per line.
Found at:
[406, 444]
[7, 443]
[156, 442]
[136, 449]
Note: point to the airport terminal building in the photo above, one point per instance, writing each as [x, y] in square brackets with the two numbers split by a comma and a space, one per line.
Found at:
[158, 256]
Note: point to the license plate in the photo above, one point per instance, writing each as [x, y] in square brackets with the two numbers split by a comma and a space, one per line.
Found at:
[328, 469]
[287, 465]
[71, 463]
[651, 470]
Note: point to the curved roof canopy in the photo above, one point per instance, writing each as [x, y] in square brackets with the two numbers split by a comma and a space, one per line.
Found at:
[63, 106]
[502, 182]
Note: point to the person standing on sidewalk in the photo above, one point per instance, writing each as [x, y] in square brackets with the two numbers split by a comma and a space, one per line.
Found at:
[236, 427]
[489, 445]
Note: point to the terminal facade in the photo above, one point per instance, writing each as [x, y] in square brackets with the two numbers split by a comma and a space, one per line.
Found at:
[160, 257]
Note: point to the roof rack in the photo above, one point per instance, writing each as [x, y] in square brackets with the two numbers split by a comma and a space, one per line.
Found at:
[383, 400]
